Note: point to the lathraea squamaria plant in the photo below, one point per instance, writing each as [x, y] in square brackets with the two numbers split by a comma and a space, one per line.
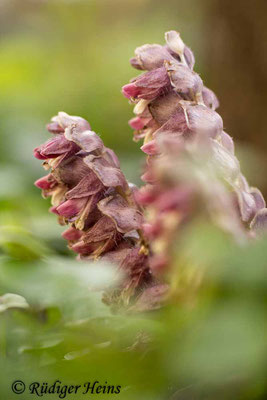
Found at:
[191, 169]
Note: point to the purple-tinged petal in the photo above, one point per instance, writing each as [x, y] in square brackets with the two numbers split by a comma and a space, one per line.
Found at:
[130, 91]
[54, 127]
[150, 56]
[164, 107]
[184, 81]
[243, 183]
[72, 171]
[203, 119]
[72, 234]
[148, 177]
[150, 148]
[53, 210]
[191, 120]
[135, 265]
[72, 207]
[84, 248]
[139, 123]
[146, 195]
[259, 222]
[150, 85]
[65, 121]
[103, 229]
[177, 198]
[37, 153]
[136, 63]
[112, 158]
[118, 255]
[178, 123]
[90, 213]
[227, 142]
[57, 146]
[125, 217]
[247, 205]
[87, 186]
[189, 57]
[46, 182]
[258, 198]
[210, 99]
[102, 237]
[152, 231]
[109, 175]
[159, 263]
[225, 163]
[88, 141]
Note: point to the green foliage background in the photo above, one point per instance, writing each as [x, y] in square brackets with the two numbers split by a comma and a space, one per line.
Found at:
[210, 344]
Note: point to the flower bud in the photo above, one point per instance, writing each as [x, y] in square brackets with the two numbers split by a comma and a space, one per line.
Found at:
[150, 56]
[259, 223]
[184, 81]
[150, 148]
[139, 123]
[175, 42]
[71, 208]
[210, 98]
[72, 234]
[46, 182]
[148, 86]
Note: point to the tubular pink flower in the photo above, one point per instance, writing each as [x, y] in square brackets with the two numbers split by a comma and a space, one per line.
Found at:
[46, 182]
[72, 207]
[150, 148]
[130, 91]
[57, 146]
[139, 123]
[72, 234]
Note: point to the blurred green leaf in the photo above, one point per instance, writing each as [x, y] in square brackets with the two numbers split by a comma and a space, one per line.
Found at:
[20, 244]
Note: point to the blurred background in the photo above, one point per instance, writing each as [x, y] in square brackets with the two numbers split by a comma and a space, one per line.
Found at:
[73, 56]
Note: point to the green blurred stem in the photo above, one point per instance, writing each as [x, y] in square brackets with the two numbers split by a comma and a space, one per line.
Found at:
[3, 335]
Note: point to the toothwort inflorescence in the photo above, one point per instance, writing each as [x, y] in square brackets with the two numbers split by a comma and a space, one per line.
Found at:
[89, 193]
[191, 170]
[191, 163]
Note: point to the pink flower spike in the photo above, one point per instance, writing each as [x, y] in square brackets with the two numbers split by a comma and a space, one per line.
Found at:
[72, 234]
[130, 91]
[72, 207]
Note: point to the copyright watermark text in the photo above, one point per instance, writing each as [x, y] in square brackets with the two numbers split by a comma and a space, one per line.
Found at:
[63, 390]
